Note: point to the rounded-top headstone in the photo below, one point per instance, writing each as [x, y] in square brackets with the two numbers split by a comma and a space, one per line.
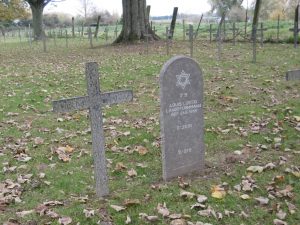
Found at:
[181, 115]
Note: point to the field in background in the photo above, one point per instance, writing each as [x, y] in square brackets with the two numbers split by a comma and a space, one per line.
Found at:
[252, 118]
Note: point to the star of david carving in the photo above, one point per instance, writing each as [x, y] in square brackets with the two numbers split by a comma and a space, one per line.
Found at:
[183, 79]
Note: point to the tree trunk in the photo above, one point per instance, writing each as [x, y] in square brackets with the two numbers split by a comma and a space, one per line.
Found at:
[256, 15]
[37, 20]
[134, 22]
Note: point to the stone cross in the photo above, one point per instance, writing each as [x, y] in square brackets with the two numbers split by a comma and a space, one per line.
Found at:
[254, 43]
[116, 31]
[106, 33]
[191, 39]
[29, 35]
[210, 33]
[181, 117]
[90, 37]
[262, 29]
[54, 38]
[67, 43]
[147, 35]
[183, 28]
[278, 27]
[293, 75]
[44, 42]
[168, 37]
[94, 101]
[234, 29]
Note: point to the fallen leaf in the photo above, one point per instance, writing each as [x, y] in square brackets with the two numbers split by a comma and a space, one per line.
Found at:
[175, 216]
[88, 213]
[120, 166]
[128, 220]
[132, 173]
[262, 200]
[118, 208]
[24, 213]
[65, 220]
[163, 210]
[186, 194]
[255, 169]
[201, 198]
[279, 222]
[131, 202]
[178, 222]
[281, 214]
[141, 150]
[38, 141]
[218, 192]
[245, 197]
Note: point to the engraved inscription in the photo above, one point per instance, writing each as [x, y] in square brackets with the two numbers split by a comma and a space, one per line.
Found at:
[183, 108]
[184, 151]
[184, 127]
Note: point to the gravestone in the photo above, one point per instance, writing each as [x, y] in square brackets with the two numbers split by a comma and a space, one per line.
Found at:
[293, 75]
[93, 102]
[181, 117]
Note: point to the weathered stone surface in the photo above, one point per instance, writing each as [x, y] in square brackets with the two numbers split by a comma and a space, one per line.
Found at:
[93, 102]
[181, 115]
[293, 75]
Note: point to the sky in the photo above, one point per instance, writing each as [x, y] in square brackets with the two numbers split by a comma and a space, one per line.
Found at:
[158, 7]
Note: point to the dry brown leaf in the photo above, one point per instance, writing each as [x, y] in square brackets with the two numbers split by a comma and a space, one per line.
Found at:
[218, 192]
[24, 213]
[141, 150]
[279, 222]
[163, 210]
[178, 222]
[255, 169]
[65, 220]
[88, 213]
[186, 194]
[38, 141]
[128, 220]
[245, 197]
[131, 202]
[262, 200]
[175, 216]
[132, 173]
[120, 166]
[281, 215]
[201, 198]
[118, 208]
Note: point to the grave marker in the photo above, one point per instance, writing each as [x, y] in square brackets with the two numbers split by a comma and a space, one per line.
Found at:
[262, 29]
[234, 29]
[93, 101]
[191, 39]
[90, 37]
[293, 75]
[254, 43]
[181, 117]
[168, 35]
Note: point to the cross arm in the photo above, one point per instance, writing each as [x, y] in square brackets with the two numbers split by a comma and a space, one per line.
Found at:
[115, 97]
[71, 104]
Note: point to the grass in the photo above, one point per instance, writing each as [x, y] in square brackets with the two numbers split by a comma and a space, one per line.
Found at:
[239, 96]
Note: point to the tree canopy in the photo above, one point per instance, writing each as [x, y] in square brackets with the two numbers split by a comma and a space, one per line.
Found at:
[13, 9]
[221, 6]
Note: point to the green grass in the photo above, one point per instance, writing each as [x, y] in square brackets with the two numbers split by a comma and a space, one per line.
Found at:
[238, 95]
